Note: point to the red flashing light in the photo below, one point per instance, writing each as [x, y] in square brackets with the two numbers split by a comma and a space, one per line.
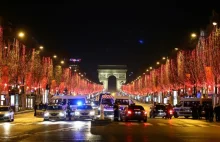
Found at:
[129, 112]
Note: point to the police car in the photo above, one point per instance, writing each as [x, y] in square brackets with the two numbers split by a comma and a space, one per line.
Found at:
[54, 112]
[84, 112]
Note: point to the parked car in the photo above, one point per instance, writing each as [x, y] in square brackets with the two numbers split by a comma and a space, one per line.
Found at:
[6, 113]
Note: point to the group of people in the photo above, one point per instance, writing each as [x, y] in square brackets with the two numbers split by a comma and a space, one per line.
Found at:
[197, 112]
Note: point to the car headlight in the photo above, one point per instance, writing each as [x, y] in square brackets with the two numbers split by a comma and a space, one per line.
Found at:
[61, 114]
[46, 114]
[92, 113]
[7, 114]
[77, 113]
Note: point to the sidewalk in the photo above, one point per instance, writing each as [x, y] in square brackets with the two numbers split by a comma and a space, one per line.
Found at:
[24, 111]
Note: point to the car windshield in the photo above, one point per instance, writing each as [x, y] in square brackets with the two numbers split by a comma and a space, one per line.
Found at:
[107, 101]
[96, 103]
[122, 101]
[84, 107]
[178, 105]
[54, 108]
[205, 103]
[191, 103]
[160, 107]
[136, 108]
[4, 108]
[78, 101]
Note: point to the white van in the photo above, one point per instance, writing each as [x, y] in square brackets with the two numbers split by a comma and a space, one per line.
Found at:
[184, 107]
[74, 101]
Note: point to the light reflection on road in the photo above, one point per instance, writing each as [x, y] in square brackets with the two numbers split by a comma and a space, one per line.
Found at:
[7, 127]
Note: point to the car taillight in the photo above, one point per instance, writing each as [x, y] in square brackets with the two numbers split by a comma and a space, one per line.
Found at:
[171, 112]
[129, 112]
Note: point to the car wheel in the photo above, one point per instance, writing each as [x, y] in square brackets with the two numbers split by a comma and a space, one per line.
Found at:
[126, 120]
[12, 119]
[46, 119]
[120, 118]
[175, 115]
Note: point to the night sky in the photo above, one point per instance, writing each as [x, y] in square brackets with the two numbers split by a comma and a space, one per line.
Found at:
[136, 37]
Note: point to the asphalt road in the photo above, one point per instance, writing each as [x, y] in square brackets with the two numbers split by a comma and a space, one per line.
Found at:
[27, 128]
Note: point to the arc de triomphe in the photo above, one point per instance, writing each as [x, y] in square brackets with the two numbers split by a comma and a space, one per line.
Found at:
[119, 71]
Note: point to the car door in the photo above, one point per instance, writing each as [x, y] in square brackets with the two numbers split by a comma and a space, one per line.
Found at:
[11, 112]
[123, 112]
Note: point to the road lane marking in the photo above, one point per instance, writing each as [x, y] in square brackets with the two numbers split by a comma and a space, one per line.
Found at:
[188, 125]
[176, 125]
[162, 124]
[214, 125]
[202, 125]
[121, 123]
[148, 124]
[135, 124]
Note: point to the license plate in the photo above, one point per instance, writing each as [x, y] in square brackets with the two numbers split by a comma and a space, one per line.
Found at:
[137, 112]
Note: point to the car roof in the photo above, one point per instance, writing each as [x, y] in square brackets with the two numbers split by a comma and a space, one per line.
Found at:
[136, 105]
[54, 105]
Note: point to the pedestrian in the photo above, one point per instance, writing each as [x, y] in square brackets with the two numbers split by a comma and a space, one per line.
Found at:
[41, 105]
[217, 112]
[35, 109]
[199, 111]
[194, 112]
[206, 112]
[116, 111]
[69, 111]
[210, 113]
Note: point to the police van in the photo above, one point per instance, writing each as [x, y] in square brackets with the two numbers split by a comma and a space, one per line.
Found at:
[184, 107]
[107, 101]
[73, 101]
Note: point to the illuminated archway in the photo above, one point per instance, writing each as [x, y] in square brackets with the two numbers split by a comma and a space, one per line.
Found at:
[118, 71]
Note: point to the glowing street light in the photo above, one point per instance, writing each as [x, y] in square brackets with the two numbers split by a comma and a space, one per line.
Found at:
[41, 47]
[151, 68]
[62, 62]
[54, 56]
[193, 35]
[164, 58]
[158, 63]
[147, 70]
[214, 23]
[176, 49]
[21, 34]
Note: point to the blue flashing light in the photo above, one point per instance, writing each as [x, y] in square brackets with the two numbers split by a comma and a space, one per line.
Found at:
[141, 41]
[79, 103]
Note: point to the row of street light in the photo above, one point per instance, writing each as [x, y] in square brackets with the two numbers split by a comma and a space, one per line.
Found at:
[193, 36]
[22, 35]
